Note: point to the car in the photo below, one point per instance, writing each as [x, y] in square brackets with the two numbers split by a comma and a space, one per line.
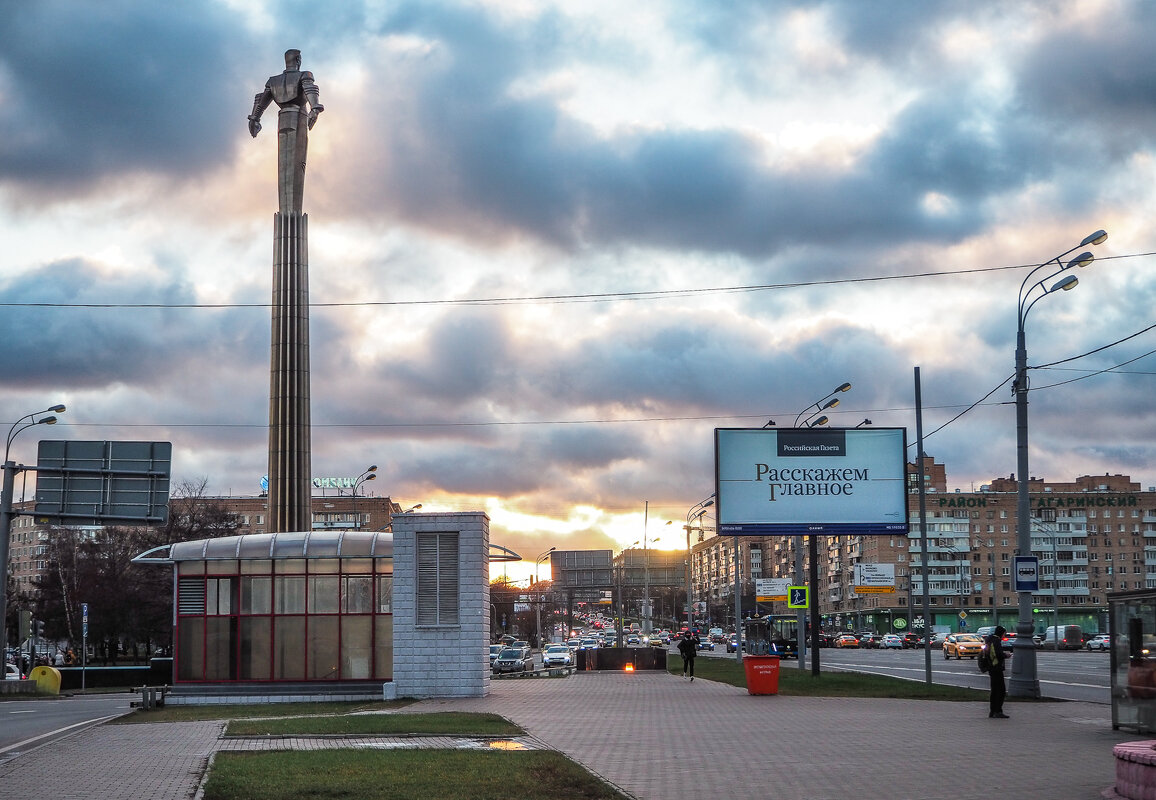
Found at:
[12, 673]
[891, 642]
[633, 640]
[705, 644]
[962, 645]
[1101, 641]
[869, 640]
[574, 644]
[846, 640]
[1009, 641]
[937, 640]
[495, 649]
[524, 645]
[826, 639]
[557, 655]
[912, 640]
[733, 643]
[511, 660]
[589, 643]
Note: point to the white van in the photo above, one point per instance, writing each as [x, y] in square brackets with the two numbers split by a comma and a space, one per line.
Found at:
[1068, 637]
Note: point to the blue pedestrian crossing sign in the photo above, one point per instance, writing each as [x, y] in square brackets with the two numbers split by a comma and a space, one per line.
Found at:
[798, 597]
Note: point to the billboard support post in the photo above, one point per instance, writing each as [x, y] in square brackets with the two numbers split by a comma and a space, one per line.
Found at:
[738, 604]
[813, 547]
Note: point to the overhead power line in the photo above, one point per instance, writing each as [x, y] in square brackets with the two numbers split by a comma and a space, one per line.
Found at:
[556, 298]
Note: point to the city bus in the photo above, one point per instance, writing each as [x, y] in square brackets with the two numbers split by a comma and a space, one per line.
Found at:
[773, 634]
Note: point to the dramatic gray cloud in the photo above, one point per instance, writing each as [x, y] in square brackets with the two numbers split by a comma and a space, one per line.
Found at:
[135, 88]
[471, 152]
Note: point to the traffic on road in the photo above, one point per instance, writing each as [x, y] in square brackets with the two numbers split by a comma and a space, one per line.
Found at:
[1075, 674]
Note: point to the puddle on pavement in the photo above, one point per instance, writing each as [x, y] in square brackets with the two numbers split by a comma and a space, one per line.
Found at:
[506, 744]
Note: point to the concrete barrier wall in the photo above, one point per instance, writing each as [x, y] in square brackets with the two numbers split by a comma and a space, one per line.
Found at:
[616, 658]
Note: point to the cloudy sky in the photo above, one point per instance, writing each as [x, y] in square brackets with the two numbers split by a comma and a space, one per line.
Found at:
[554, 245]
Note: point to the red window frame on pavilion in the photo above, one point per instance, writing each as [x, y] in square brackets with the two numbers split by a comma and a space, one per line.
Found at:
[287, 619]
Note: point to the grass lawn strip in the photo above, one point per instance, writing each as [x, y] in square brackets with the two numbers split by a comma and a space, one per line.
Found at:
[403, 775]
[794, 682]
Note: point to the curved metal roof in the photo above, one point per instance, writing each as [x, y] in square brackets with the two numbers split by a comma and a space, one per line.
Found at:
[258, 546]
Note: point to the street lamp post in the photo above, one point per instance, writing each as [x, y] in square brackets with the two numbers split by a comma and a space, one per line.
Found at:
[695, 513]
[370, 474]
[1048, 515]
[1025, 678]
[9, 482]
[538, 592]
[820, 406]
[962, 558]
[813, 540]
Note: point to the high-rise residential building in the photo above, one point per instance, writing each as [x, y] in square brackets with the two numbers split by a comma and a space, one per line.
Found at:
[1093, 535]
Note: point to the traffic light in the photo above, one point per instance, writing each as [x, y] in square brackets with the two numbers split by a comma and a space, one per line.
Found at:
[39, 627]
[25, 623]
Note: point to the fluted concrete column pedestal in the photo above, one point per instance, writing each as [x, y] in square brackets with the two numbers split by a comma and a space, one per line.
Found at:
[290, 481]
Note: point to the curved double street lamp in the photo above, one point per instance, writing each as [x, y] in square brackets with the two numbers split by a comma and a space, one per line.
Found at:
[538, 604]
[370, 474]
[819, 407]
[9, 481]
[1024, 678]
[695, 514]
[812, 580]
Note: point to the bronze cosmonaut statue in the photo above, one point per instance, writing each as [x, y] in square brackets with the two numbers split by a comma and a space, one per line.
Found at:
[292, 91]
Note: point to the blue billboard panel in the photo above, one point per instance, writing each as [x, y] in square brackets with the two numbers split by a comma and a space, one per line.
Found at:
[800, 481]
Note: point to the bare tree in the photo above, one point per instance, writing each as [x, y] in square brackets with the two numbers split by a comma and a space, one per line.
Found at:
[128, 603]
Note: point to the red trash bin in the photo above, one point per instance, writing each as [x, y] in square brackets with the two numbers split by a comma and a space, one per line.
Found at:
[762, 674]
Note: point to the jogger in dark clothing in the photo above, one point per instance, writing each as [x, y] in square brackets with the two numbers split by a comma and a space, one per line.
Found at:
[688, 649]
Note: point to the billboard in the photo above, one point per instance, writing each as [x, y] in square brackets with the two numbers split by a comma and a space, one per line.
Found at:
[799, 481]
[103, 483]
[874, 579]
[768, 590]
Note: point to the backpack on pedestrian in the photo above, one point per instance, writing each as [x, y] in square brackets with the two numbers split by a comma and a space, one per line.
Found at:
[983, 660]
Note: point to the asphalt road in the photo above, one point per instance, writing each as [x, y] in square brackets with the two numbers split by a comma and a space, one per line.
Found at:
[1072, 675]
[27, 724]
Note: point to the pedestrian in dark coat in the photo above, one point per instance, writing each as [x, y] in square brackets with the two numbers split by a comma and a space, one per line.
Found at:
[997, 660]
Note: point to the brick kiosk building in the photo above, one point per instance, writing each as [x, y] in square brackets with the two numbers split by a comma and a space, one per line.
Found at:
[1093, 535]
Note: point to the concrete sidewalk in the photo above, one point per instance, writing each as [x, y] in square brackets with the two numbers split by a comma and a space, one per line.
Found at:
[657, 736]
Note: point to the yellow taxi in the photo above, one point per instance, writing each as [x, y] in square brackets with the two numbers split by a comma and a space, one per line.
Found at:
[962, 645]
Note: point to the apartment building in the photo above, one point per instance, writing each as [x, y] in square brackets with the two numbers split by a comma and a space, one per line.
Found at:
[1093, 535]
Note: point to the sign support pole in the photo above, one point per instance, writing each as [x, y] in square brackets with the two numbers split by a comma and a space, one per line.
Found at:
[922, 529]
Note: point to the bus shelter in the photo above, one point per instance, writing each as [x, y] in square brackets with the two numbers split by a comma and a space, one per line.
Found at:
[1132, 626]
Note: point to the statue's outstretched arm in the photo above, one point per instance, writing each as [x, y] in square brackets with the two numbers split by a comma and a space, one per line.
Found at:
[260, 103]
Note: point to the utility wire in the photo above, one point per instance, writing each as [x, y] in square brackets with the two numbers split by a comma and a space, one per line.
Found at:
[1097, 350]
[1099, 372]
[555, 299]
